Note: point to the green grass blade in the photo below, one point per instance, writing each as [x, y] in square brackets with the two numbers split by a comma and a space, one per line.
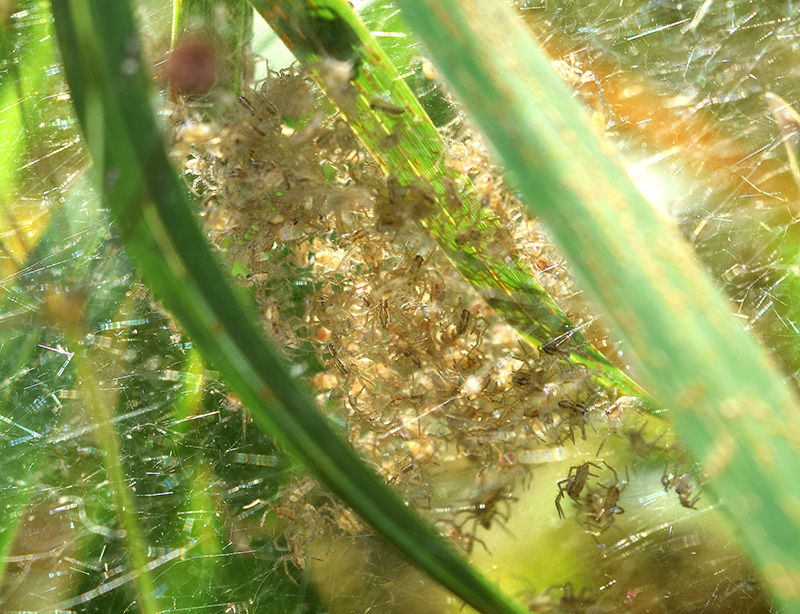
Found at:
[155, 218]
[379, 105]
[729, 406]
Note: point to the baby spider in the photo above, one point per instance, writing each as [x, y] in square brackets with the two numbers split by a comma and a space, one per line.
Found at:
[602, 506]
[295, 553]
[529, 376]
[570, 601]
[574, 484]
[563, 345]
[466, 541]
[484, 508]
[638, 443]
[575, 416]
[681, 484]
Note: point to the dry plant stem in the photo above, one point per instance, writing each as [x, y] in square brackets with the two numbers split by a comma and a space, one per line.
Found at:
[729, 405]
[379, 105]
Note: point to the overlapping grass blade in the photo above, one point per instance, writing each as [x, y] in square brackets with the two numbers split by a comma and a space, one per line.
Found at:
[154, 215]
[380, 107]
[729, 405]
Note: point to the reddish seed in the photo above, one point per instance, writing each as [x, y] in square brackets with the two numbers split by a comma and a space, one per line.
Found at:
[191, 67]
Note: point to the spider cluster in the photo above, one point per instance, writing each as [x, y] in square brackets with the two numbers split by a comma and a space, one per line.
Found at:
[397, 346]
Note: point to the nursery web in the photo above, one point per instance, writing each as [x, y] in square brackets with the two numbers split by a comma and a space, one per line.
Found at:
[684, 89]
